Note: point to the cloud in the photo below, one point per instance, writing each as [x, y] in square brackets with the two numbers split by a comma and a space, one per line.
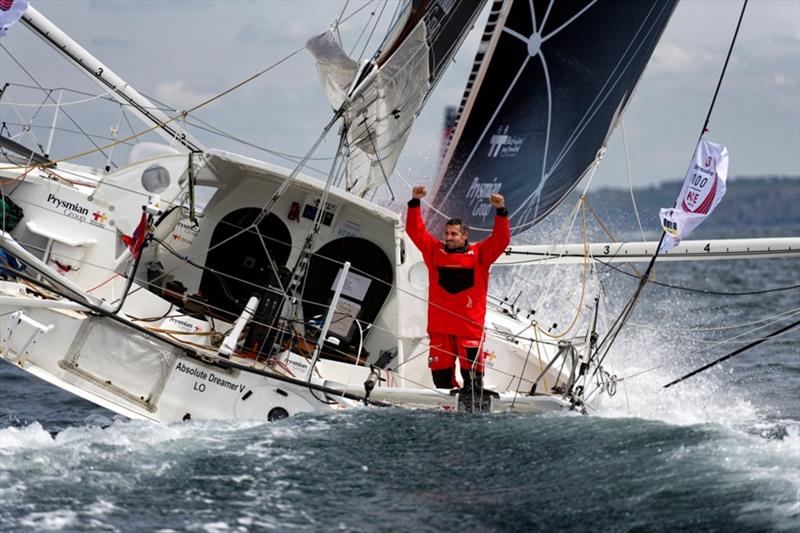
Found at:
[178, 95]
[257, 30]
[110, 42]
[669, 58]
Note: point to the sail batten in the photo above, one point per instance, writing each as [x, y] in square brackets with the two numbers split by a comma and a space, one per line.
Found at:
[548, 87]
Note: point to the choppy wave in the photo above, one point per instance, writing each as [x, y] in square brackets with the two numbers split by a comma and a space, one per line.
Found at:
[719, 452]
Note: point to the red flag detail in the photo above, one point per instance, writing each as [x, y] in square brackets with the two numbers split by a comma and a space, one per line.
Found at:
[136, 241]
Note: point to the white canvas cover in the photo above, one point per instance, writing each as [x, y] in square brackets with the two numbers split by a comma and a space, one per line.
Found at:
[116, 355]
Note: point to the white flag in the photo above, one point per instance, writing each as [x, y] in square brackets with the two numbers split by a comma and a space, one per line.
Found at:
[10, 12]
[702, 190]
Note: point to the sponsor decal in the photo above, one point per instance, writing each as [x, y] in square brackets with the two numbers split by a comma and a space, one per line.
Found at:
[501, 144]
[478, 196]
[184, 325]
[78, 212]
[71, 209]
[185, 232]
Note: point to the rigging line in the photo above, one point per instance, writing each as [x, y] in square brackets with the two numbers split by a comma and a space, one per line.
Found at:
[111, 100]
[62, 104]
[630, 177]
[372, 32]
[427, 203]
[66, 114]
[788, 312]
[223, 133]
[706, 348]
[566, 229]
[356, 12]
[341, 13]
[380, 160]
[608, 232]
[287, 157]
[733, 354]
[40, 106]
[127, 121]
[583, 277]
[65, 130]
[243, 82]
[65, 89]
[702, 291]
[176, 117]
[724, 68]
[216, 308]
[267, 207]
[26, 129]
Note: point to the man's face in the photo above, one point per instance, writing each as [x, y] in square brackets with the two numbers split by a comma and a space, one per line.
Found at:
[454, 238]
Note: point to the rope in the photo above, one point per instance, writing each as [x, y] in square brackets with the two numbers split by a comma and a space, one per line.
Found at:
[706, 348]
[583, 275]
[48, 95]
[724, 68]
[721, 328]
[702, 291]
[176, 117]
[630, 178]
[605, 345]
[733, 354]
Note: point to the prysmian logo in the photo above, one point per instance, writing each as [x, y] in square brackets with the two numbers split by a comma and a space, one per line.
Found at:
[67, 206]
[478, 195]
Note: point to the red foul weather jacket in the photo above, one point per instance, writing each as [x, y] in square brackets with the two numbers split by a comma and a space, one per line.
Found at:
[458, 280]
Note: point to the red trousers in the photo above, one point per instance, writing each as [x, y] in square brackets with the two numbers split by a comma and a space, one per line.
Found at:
[445, 348]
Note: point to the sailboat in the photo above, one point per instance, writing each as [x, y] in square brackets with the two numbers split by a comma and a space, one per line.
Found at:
[195, 283]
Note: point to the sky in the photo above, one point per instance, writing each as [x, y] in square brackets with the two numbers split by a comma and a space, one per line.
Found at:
[183, 52]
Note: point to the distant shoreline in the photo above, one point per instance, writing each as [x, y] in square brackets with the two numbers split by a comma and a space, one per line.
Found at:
[749, 201]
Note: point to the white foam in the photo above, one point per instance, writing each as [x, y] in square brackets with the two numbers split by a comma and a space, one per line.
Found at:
[52, 520]
[13, 439]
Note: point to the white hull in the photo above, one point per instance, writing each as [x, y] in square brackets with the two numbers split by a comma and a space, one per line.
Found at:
[167, 369]
[142, 377]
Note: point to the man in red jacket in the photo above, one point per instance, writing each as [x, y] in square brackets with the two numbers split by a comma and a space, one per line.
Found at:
[458, 274]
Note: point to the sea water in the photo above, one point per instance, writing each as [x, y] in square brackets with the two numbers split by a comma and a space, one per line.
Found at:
[718, 452]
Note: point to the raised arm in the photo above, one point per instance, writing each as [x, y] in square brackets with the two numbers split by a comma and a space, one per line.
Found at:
[495, 244]
[415, 226]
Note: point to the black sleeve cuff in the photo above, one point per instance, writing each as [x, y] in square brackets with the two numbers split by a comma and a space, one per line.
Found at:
[502, 212]
[414, 202]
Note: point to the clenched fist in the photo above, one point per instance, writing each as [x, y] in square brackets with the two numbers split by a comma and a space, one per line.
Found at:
[497, 200]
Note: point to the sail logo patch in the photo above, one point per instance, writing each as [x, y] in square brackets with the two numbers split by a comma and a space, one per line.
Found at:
[501, 144]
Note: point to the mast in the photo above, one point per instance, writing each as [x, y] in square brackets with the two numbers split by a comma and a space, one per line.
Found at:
[108, 80]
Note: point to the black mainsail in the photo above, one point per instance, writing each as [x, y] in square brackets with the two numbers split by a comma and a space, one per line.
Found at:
[550, 82]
